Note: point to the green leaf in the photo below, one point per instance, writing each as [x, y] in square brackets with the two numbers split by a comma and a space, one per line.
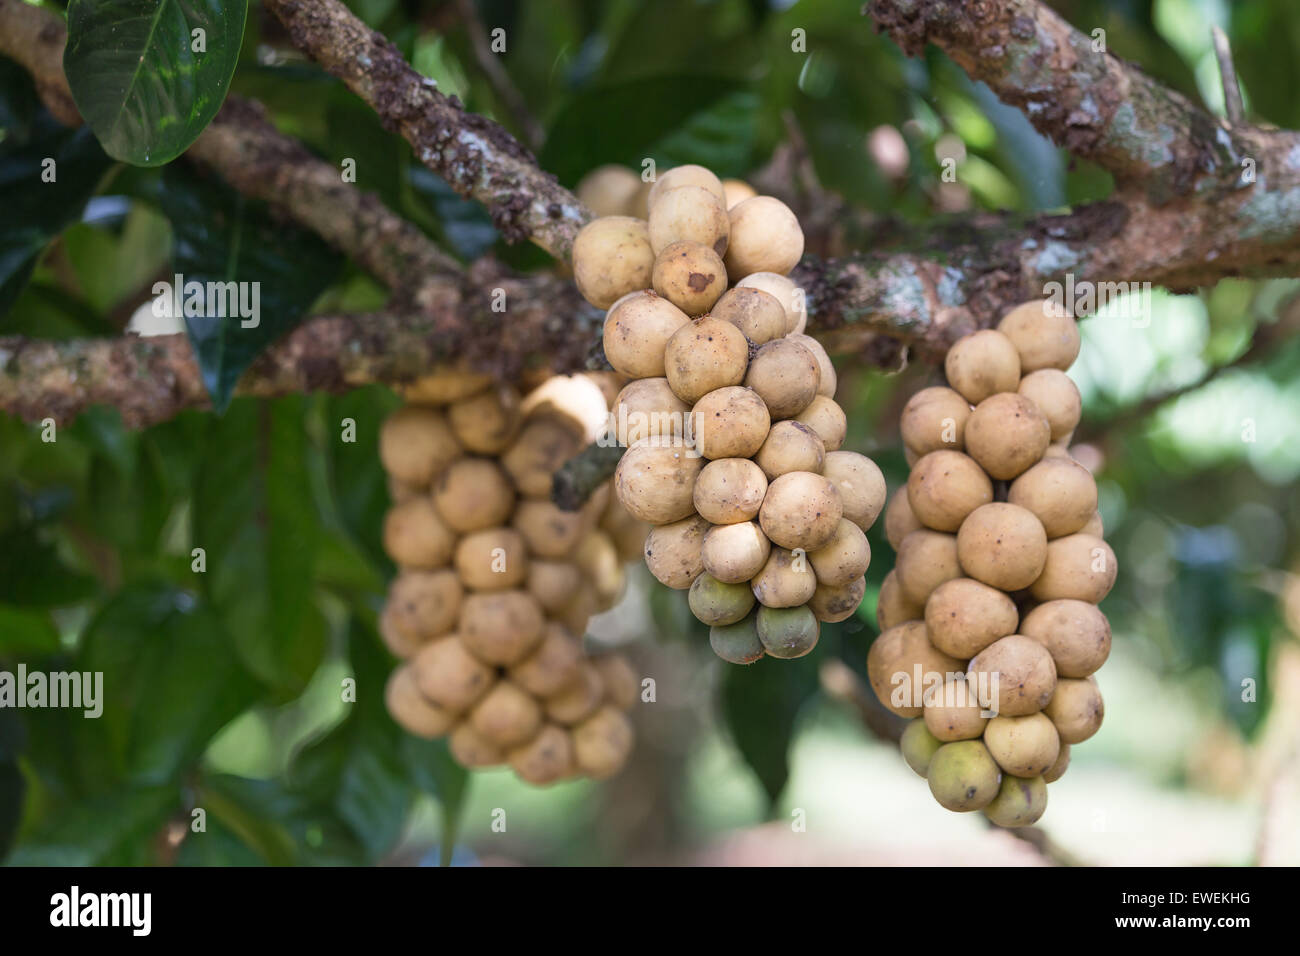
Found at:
[112, 828]
[255, 518]
[671, 119]
[13, 787]
[358, 768]
[26, 631]
[33, 575]
[280, 270]
[149, 75]
[760, 703]
[37, 209]
[170, 680]
[357, 482]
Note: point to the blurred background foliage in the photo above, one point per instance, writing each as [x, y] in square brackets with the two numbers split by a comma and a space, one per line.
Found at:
[223, 685]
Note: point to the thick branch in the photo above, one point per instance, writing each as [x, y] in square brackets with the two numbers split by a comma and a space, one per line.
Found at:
[477, 158]
[1089, 101]
[152, 379]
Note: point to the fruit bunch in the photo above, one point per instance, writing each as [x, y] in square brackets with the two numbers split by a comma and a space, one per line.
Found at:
[732, 432]
[496, 584]
[992, 604]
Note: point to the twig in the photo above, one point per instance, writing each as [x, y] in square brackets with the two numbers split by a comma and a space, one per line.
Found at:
[584, 473]
[497, 76]
[1232, 102]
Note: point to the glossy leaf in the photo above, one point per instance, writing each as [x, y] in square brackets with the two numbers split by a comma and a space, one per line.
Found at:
[149, 75]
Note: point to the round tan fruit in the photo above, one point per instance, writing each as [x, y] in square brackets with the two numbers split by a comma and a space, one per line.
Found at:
[416, 444]
[486, 423]
[423, 605]
[492, 560]
[952, 711]
[786, 376]
[473, 494]
[734, 553]
[965, 616]
[416, 537]
[602, 742]
[834, 603]
[1023, 746]
[501, 627]
[729, 490]
[736, 191]
[552, 666]
[578, 699]
[786, 580]
[765, 237]
[448, 675]
[549, 531]
[842, 559]
[1075, 633]
[934, 419]
[1006, 433]
[925, 560]
[1019, 671]
[411, 710]
[899, 520]
[918, 746]
[730, 422]
[900, 662]
[756, 313]
[1045, 336]
[688, 174]
[647, 408]
[716, 603]
[622, 685]
[690, 276]
[1002, 545]
[1076, 709]
[860, 483]
[791, 297]
[801, 510]
[612, 256]
[1078, 566]
[791, 446]
[692, 213]
[1057, 770]
[1060, 492]
[829, 380]
[546, 758]
[507, 716]
[656, 483]
[946, 486]
[637, 330]
[610, 190]
[704, 355]
[1057, 397]
[472, 749]
[827, 419]
[892, 608]
[673, 551]
[981, 364]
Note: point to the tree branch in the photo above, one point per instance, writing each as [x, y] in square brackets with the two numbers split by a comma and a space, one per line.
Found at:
[476, 156]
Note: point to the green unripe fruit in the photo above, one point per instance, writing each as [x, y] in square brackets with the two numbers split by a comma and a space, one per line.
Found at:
[918, 745]
[787, 632]
[963, 776]
[716, 603]
[736, 643]
[1019, 803]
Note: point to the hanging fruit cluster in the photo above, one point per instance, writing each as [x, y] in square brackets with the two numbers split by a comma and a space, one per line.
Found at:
[992, 604]
[733, 435]
[496, 584]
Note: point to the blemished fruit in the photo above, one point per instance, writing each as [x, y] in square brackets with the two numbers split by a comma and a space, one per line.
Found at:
[1020, 801]
[496, 582]
[963, 776]
[612, 257]
[733, 437]
[1000, 567]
